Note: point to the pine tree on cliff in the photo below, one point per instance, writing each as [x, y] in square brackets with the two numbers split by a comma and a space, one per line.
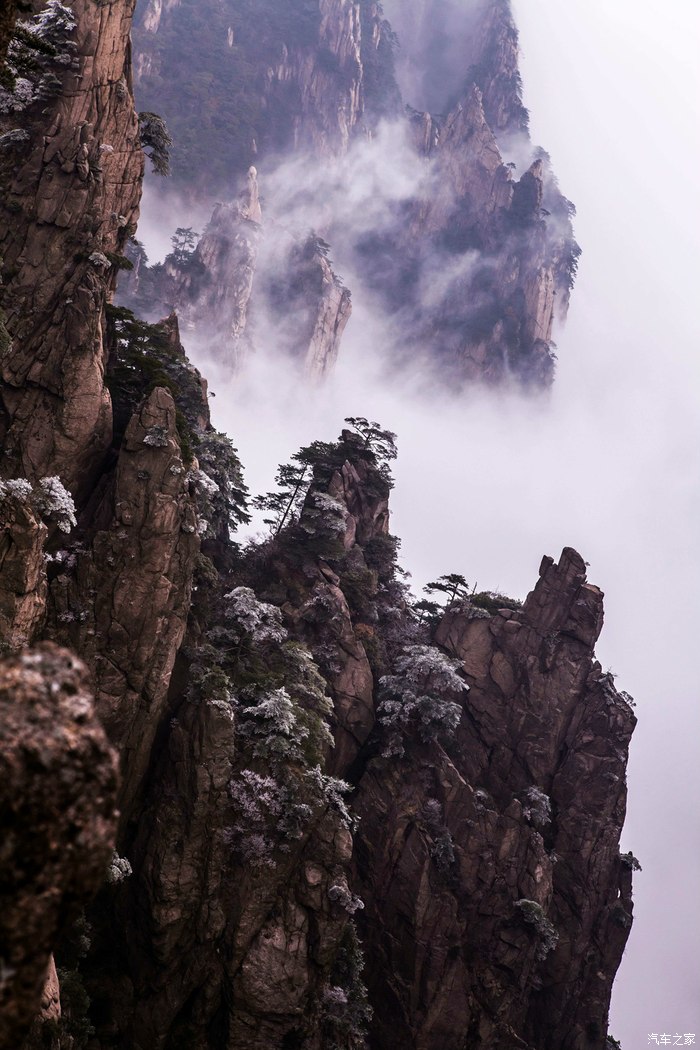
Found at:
[453, 585]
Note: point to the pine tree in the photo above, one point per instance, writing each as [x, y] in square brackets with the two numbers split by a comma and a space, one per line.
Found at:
[453, 585]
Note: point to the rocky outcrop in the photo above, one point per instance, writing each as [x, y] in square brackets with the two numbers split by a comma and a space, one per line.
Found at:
[279, 79]
[71, 193]
[308, 304]
[241, 271]
[212, 290]
[494, 837]
[57, 812]
[22, 570]
[472, 271]
[138, 575]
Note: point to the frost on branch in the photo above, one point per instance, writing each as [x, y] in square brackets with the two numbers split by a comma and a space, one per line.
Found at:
[49, 498]
[40, 49]
[263, 622]
[324, 516]
[55, 502]
[536, 807]
[340, 893]
[421, 697]
[118, 870]
[272, 723]
[534, 916]
[269, 815]
[205, 490]
[156, 437]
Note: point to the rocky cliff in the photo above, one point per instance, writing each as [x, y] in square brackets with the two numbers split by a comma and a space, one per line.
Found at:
[341, 823]
[469, 270]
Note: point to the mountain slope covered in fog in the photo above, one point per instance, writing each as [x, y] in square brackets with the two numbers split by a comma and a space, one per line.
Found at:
[444, 221]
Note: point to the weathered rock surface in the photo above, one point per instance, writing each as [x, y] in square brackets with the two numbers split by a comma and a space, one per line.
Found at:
[124, 603]
[70, 196]
[476, 964]
[239, 271]
[22, 571]
[58, 788]
[295, 78]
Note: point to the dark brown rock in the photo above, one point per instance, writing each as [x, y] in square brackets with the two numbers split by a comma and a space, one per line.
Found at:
[480, 880]
[58, 782]
[126, 605]
[70, 198]
[22, 571]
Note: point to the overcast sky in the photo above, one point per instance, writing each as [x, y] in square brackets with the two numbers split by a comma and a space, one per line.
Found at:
[613, 89]
[609, 465]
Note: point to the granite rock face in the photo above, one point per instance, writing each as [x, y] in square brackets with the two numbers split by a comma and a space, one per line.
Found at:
[71, 191]
[136, 577]
[59, 781]
[468, 273]
[494, 836]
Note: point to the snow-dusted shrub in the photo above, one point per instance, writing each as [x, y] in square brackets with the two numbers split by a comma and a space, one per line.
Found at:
[330, 792]
[218, 458]
[323, 515]
[41, 48]
[340, 893]
[263, 622]
[49, 498]
[537, 807]
[630, 861]
[205, 490]
[421, 696]
[99, 260]
[118, 870]
[54, 501]
[268, 816]
[442, 848]
[156, 437]
[272, 722]
[15, 488]
[344, 1009]
[534, 916]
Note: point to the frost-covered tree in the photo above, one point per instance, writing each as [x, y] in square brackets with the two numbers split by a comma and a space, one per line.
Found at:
[324, 516]
[119, 869]
[49, 498]
[261, 621]
[40, 51]
[533, 914]
[537, 807]
[271, 722]
[344, 1008]
[421, 697]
